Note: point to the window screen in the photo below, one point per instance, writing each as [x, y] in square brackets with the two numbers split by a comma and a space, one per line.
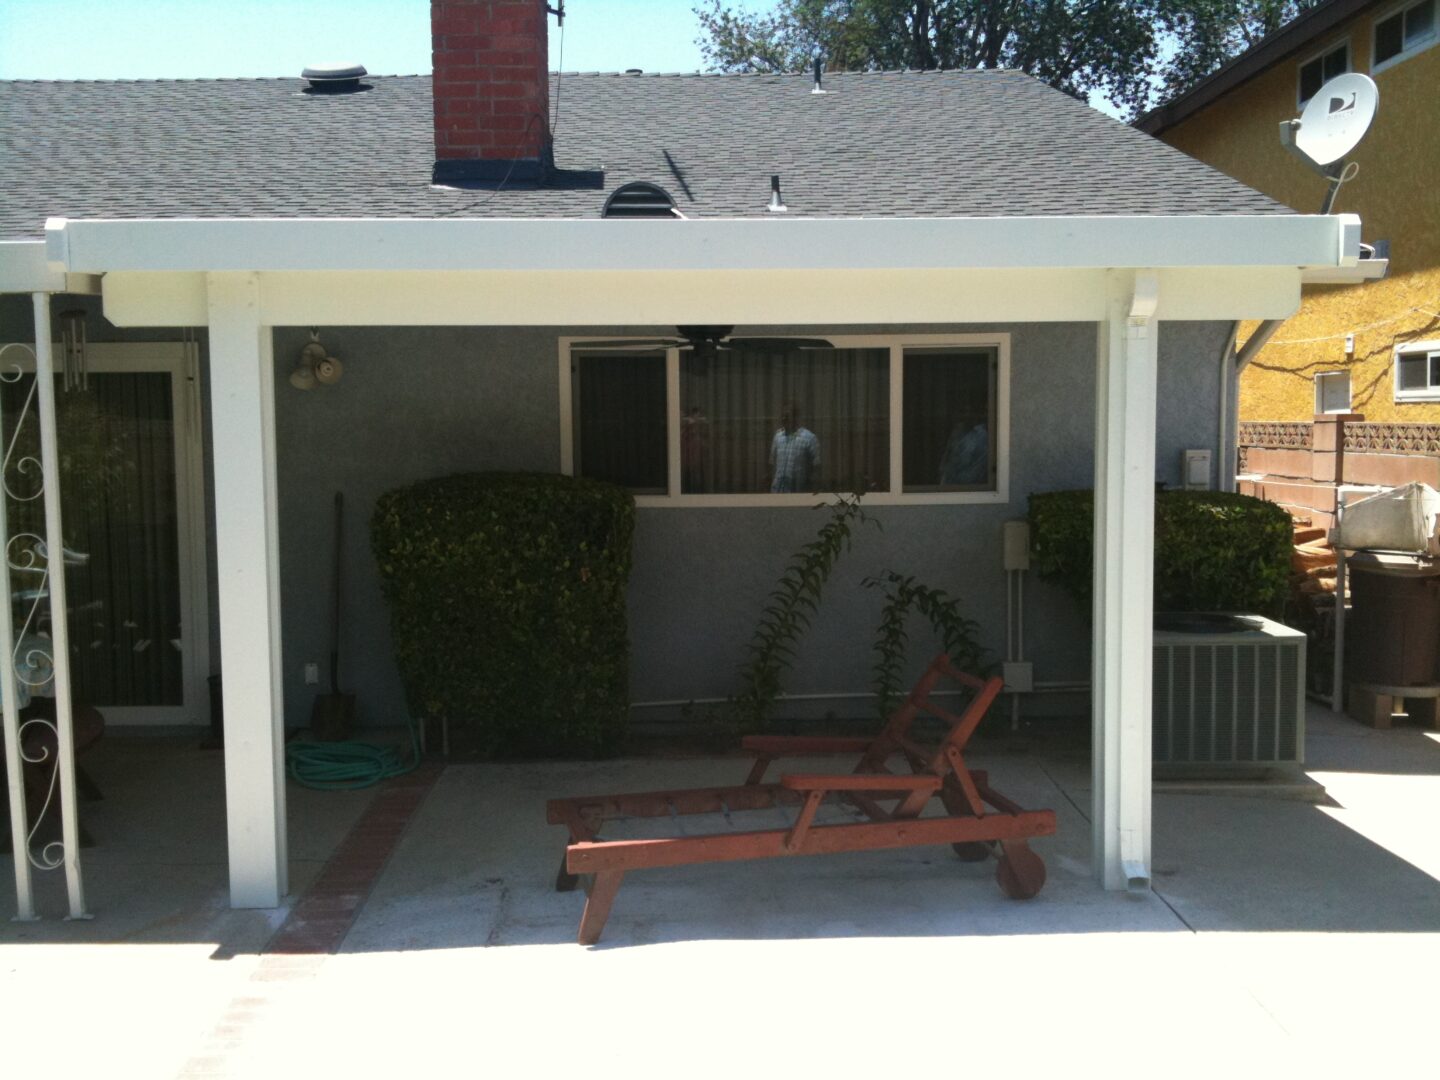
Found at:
[1404, 30]
[1332, 392]
[620, 430]
[1417, 372]
[1389, 37]
[1319, 71]
[949, 420]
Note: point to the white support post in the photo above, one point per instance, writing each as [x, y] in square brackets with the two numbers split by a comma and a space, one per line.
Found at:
[59, 610]
[1124, 573]
[10, 704]
[242, 398]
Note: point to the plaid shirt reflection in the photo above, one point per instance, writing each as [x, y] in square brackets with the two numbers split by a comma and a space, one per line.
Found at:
[794, 456]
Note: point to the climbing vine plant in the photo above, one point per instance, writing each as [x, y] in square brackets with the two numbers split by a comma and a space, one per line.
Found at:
[788, 609]
[903, 594]
[796, 598]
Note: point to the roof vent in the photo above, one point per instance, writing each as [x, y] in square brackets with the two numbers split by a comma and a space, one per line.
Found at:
[640, 200]
[334, 78]
[777, 202]
[634, 71]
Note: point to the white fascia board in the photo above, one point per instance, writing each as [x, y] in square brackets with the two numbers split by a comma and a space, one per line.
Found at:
[24, 268]
[313, 244]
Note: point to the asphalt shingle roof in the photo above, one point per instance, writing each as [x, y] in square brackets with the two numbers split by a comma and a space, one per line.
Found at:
[885, 144]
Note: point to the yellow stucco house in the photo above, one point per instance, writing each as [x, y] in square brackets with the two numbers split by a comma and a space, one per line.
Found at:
[1374, 348]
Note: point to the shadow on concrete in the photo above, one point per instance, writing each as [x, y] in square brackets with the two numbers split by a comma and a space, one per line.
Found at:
[157, 869]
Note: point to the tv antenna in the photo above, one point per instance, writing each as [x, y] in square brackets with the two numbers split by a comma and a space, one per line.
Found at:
[1332, 125]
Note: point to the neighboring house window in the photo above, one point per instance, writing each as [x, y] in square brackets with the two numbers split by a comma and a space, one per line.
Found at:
[1319, 70]
[1332, 392]
[1417, 371]
[1403, 33]
[918, 419]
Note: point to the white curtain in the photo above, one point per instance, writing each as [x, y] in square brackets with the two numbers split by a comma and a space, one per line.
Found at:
[732, 405]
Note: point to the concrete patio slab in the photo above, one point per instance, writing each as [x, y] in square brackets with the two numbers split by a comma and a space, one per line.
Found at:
[1282, 938]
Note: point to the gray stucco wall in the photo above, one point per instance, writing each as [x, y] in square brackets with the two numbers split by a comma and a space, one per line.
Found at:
[423, 402]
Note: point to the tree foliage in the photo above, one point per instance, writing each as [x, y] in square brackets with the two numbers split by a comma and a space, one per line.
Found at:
[1132, 53]
[1201, 35]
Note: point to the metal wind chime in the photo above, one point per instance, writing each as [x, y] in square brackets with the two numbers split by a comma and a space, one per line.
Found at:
[39, 752]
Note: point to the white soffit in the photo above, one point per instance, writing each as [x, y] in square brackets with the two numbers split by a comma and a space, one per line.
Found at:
[1295, 241]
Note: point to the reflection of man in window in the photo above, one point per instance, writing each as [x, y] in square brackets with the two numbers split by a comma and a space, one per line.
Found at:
[966, 461]
[694, 450]
[794, 454]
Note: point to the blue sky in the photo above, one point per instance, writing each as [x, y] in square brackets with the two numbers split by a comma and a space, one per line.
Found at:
[142, 39]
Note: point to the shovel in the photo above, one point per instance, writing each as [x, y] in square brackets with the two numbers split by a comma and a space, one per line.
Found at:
[334, 713]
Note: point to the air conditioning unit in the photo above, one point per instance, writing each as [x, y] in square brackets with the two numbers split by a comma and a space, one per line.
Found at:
[1229, 694]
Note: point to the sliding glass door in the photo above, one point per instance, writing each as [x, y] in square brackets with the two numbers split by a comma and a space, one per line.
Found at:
[132, 503]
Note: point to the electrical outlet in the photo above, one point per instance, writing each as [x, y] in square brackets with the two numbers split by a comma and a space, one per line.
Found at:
[1019, 676]
[312, 674]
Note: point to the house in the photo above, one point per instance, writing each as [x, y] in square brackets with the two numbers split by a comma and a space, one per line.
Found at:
[971, 238]
[1367, 358]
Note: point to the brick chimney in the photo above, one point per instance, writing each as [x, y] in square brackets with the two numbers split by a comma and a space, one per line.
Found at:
[491, 91]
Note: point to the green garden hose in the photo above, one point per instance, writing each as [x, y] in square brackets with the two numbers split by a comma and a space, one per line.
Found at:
[346, 766]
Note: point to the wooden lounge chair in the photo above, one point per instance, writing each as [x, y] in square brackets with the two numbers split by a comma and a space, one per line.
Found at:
[977, 821]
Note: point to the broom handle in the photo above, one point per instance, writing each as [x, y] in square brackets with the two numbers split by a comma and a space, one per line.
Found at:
[335, 625]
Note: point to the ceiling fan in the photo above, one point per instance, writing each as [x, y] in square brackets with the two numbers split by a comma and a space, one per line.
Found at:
[706, 341]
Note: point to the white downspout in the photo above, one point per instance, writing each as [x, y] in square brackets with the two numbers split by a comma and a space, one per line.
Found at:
[1225, 474]
[1255, 342]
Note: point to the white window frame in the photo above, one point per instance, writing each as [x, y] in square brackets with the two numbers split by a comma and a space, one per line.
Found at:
[177, 360]
[1319, 54]
[895, 343]
[1320, 396]
[1405, 53]
[1430, 393]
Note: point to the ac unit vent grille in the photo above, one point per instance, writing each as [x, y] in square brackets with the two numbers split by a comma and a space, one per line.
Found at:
[1228, 702]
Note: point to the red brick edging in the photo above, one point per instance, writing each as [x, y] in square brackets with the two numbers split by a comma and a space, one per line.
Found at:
[322, 917]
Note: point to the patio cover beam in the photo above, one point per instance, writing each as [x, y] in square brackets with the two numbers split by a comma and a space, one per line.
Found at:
[24, 269]
[571, 298]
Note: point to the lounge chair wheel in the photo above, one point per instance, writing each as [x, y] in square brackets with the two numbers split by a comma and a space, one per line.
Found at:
[973, 851]
[1020, 872]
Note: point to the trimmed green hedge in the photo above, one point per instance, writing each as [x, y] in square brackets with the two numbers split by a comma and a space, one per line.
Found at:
[507, 606]
[1214, 551]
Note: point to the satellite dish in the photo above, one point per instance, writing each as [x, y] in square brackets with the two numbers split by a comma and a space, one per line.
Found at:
[1336, 118]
